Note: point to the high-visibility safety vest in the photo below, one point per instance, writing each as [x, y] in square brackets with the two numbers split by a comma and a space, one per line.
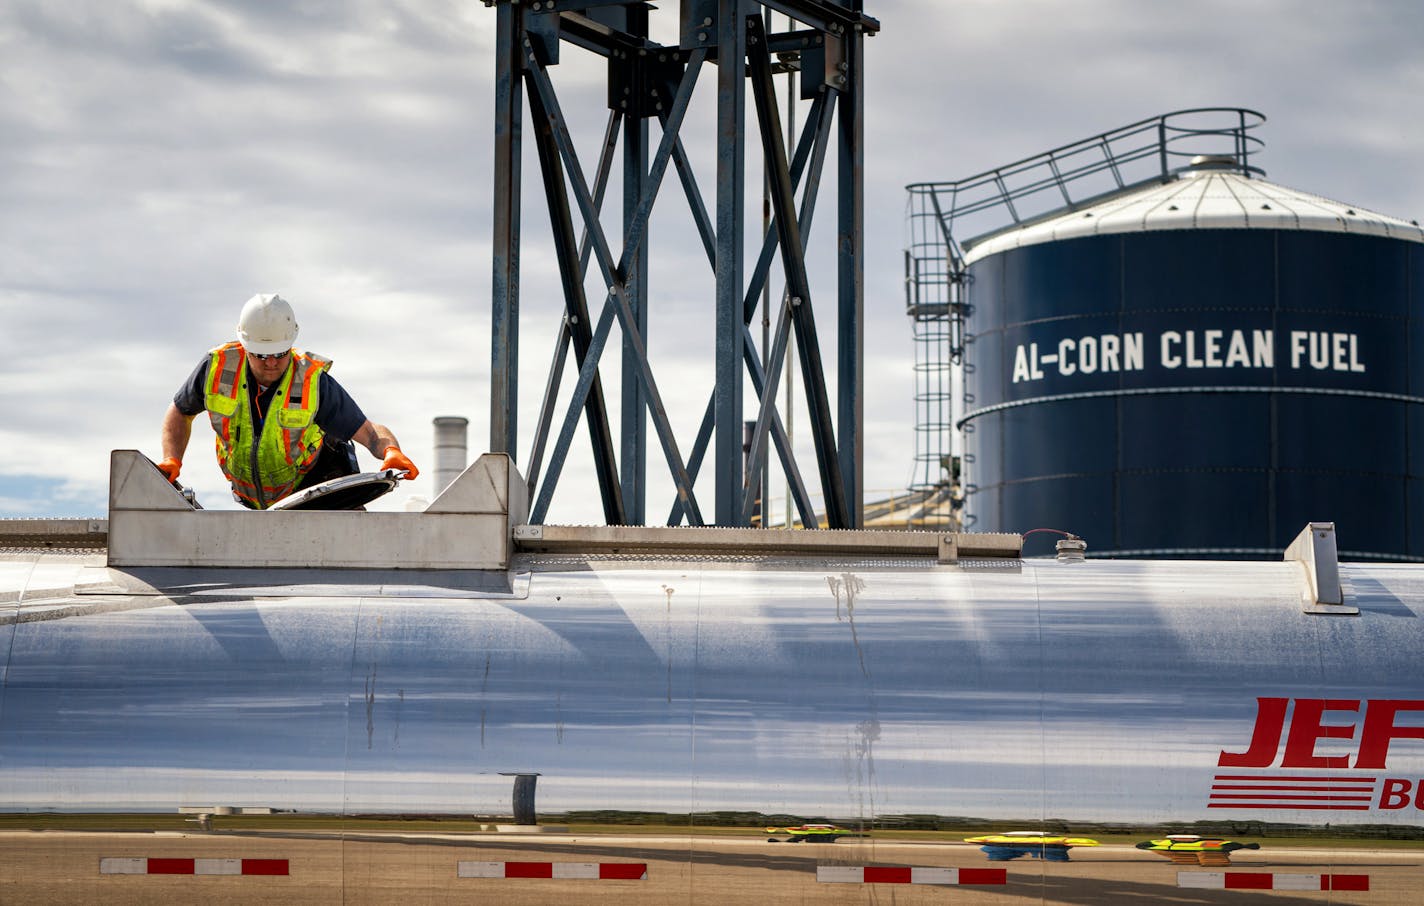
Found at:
[264, 469]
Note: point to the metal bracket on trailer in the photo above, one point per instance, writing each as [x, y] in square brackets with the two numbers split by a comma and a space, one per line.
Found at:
[1314, 549]
[955, 546]
[59, 533]
[946, 548]
[467, 527]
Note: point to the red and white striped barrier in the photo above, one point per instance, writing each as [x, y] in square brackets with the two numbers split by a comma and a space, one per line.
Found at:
[1264, 880]
[584, 871]
[193, 867]
[906, 874]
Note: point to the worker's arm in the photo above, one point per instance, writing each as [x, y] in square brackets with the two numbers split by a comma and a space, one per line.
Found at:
[176, 430]
[383, 445]
[375, 438]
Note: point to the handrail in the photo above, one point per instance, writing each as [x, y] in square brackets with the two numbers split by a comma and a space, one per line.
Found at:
[1166, 144]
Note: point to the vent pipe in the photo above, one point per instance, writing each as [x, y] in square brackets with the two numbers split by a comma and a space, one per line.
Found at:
[451, 456]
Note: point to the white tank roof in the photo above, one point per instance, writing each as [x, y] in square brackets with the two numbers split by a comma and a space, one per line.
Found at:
[1205, 198]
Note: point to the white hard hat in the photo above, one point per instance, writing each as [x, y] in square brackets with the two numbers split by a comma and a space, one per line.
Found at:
[267, 325]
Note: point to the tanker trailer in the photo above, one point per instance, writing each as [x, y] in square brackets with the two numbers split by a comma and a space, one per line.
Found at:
[360, 707]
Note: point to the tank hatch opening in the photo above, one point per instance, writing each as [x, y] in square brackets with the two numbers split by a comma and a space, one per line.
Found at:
[1213, 162]
[349, 492]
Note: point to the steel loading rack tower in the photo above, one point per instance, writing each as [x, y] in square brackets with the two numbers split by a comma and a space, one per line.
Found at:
[650, 81]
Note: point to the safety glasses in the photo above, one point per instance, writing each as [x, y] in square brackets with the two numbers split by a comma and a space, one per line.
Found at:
[272, 357]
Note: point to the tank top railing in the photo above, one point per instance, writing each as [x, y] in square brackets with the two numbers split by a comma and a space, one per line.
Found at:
[1027, 191]
[1081, 173]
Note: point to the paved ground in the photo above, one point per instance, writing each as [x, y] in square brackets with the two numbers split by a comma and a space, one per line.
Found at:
[63, 867]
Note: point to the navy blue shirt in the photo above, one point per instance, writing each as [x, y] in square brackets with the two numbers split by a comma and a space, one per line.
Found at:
[337, 414]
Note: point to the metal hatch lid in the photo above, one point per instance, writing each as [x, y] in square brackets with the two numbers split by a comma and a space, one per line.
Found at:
[349, 492]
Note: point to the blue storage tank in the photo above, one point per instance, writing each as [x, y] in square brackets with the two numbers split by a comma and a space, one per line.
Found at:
[1197, 369]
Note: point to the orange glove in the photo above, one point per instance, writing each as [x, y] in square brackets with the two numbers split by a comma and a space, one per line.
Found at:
[170, 467]
[395, 459]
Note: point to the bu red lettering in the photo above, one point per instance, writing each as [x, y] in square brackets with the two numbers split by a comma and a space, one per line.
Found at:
[1395, 794]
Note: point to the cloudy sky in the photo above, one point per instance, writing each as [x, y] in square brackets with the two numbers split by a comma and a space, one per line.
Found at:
[162, 160]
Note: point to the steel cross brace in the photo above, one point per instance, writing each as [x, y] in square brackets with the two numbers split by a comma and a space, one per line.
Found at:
[811, 146]
[768, 409]
[576, 319]
[575, 323]
[798, 285]
[616, 302]
[749, 306]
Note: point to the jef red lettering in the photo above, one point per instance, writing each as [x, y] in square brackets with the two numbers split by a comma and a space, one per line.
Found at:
[1307, 723]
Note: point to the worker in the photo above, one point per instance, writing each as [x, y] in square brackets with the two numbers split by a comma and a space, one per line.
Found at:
[282, 421]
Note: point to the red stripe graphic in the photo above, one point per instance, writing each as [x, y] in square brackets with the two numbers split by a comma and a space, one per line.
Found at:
[1289, 777]
[1272, 786]
[1290, 797]
[529, 869]
[1325, 808]
[1285, 791]
[170, 866]
[265, 867]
